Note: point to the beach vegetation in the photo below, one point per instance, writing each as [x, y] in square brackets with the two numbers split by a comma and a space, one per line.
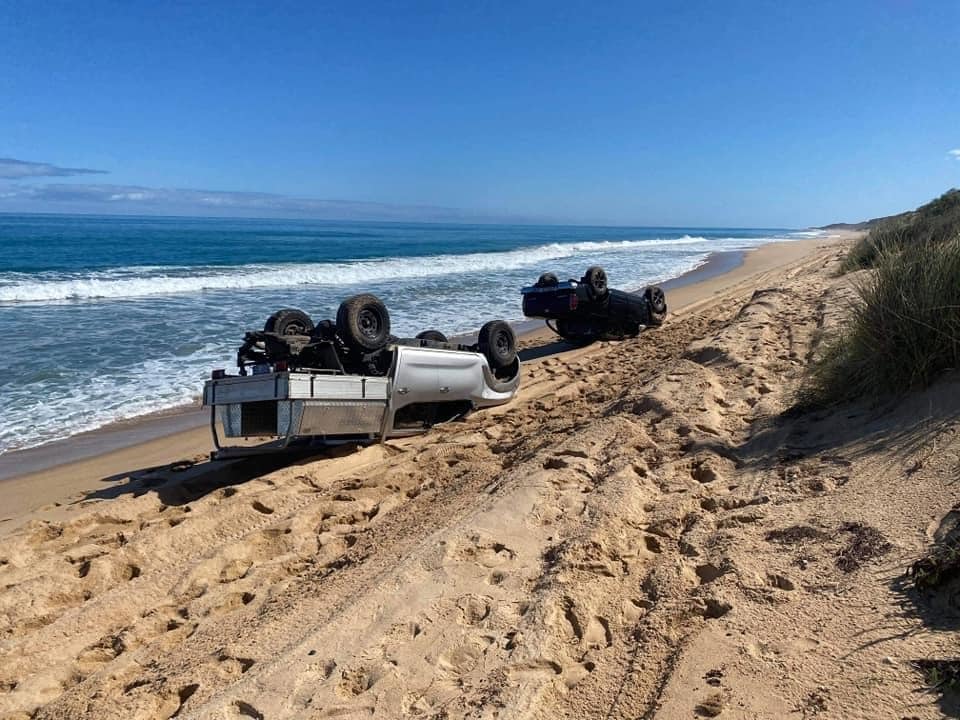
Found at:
[903, 330]
[938, 567]
[930, 224]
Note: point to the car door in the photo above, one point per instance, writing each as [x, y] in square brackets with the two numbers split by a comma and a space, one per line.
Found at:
[416, 378]
[427, 375]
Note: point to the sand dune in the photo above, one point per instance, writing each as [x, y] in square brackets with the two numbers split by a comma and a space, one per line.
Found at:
[643, 533]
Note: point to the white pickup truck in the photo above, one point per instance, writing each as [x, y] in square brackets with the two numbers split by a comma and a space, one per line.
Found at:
[317, 385]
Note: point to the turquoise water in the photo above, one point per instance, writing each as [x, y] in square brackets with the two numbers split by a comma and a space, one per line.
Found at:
[108, 318]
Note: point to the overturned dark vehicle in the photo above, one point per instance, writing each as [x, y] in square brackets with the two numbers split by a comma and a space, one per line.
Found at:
[585, 310]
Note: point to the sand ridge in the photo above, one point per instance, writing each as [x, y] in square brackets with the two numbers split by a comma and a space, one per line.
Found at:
[643, 533]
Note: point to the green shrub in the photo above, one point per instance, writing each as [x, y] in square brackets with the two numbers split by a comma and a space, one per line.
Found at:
[903, 331]
[935, 222]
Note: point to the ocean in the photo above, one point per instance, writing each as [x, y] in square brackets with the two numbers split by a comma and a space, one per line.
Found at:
[107, 318]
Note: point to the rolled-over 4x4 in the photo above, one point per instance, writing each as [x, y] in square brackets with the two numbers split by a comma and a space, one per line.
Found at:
[585, 310]
[351, 380]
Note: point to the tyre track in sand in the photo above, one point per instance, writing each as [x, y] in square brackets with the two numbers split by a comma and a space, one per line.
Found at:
[534, 560]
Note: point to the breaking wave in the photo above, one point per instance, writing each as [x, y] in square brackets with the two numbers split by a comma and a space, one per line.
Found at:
[133, 282]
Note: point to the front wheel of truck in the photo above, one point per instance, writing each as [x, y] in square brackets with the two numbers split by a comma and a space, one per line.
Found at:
[656, 303]
[498, 344]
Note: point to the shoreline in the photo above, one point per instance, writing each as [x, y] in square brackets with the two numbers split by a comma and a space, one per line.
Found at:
[180, 432]
[634, 489]
[180, 418]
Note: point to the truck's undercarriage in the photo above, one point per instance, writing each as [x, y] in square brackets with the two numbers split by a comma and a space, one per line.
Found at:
[351, 380]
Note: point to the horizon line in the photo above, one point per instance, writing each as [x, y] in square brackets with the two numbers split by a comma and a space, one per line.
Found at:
[416, 222]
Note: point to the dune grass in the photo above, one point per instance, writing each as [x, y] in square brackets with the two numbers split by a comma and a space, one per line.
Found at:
[905, 328]
[930, 224]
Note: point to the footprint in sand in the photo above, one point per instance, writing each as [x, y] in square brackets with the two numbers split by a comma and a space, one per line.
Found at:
[245, 711]
[653, 544]
[591, 631]
[100, 653]
[230, 666]
[486, 553]
[575, 673]
[261, 508]
[571, 624]
[460, 660]
[474, 609]
[708, 572]
[354, 681]
[232, 601]
[598, 633]
[533, 670]
[635, 608]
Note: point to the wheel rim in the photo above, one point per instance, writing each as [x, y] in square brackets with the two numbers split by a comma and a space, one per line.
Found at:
[502, 344]
[658, 300]
[369, 324]
[295, 328]
[599, 282]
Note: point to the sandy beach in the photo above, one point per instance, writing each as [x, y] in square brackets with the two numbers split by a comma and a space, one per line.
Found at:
[36, 476]
[646, 531]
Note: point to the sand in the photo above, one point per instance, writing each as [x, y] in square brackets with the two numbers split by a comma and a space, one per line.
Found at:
[644, 532]
[86, 466]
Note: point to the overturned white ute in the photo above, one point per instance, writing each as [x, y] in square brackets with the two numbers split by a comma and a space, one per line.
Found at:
[351, 380]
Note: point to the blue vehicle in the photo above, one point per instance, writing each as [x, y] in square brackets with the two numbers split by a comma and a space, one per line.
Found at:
[582, 311]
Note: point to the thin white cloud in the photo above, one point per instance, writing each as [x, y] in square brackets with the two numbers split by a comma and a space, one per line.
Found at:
[954, 153]
[11, 169]
[135, 199]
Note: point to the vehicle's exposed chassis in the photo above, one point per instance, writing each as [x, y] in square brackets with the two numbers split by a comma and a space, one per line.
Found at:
[585, 310]
[350, 380]
[356, 343]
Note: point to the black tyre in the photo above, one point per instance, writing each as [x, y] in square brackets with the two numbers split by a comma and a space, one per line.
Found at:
[595, 278]
[363, 322]
[434, 335]
[657, 302]
[289, 321]
[548, 279]
[498, 344]
[324, 330]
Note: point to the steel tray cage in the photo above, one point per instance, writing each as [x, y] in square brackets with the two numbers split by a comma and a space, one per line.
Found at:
[287, 420]
[301, 417]
[290, 406]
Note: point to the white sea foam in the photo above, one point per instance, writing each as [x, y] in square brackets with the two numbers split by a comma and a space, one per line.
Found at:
[808, 233]
[135, 282]
[99, 399]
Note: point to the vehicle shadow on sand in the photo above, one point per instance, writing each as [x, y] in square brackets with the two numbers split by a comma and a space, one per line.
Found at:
[186, 481]
[554, 347]
[183, 482]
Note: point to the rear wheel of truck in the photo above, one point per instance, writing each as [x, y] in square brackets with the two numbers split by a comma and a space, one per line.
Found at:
[657, 302]
[289, 321]
[595, 278]
[363, 322]
[498, 344]
[434, 335]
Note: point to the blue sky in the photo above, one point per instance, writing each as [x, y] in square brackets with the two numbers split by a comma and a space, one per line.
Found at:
[698, 113]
